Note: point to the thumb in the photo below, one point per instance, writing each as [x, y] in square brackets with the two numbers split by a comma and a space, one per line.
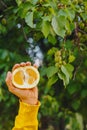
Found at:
[8, 78]
[11, 87]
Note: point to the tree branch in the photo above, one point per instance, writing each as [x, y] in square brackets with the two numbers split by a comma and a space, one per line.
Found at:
[3, 4]
[81, 31]
[25, 36]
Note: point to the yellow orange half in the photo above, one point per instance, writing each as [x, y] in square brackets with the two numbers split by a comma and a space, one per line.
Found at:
[25, 77]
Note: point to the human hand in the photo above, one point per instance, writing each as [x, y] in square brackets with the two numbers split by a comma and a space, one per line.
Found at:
[29, 96]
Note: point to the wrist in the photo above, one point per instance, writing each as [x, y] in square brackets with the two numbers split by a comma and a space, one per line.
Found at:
[30, 101]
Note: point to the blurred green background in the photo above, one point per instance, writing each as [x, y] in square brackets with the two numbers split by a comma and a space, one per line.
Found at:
[52, 34]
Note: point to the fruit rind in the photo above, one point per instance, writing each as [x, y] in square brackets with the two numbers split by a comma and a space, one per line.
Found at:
[25, 85]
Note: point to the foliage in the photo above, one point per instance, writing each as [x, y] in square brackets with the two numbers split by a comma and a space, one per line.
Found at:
[59, 28]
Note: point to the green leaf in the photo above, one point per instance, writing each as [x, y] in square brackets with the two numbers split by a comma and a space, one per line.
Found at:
[24, 8]
[70, 14]
[45, 28]
[68, 45]
[47, 18]
[66, 73]
[52, 80]
[2, 66]
[66, 2]
[51, 71]
[84, 93]
[52, 51]
[73, 88]
[43, 71]
[53, 4]
[3, 54]
[84, 16]
[29, 19]
[62, 12]
[67, 27]
[70, 69]
[2, 97]
[3, 29]
[19, 2]
[52, 39]
[33, 1]
[62, 77]
[76, 104]
[58, 24]
[80, 121]
[71, 58]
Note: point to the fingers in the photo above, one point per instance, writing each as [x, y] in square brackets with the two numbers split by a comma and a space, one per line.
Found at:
[9, 80]
[28, 63]
[22, 64]
[25, 64]
[15, 66]
[35, 92]
[35, 66]
[10, 86]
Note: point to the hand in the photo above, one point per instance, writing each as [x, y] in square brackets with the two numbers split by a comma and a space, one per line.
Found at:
[29, 96]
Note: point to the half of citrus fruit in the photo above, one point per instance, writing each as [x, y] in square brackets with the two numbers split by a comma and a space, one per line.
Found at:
[25, 77]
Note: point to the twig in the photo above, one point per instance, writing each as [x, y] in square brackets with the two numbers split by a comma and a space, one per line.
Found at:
[76, 35]
[77, 68]
[82, 31]
[25, 36]
[74, 75]
[3, 4]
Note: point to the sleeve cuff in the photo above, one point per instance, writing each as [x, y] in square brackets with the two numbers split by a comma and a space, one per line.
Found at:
[24, 107]
[27, 115]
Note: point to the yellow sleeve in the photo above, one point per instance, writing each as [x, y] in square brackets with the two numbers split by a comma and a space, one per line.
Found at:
[27, 117]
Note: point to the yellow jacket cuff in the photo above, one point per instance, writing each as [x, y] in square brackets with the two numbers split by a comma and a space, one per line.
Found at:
[27, 116]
